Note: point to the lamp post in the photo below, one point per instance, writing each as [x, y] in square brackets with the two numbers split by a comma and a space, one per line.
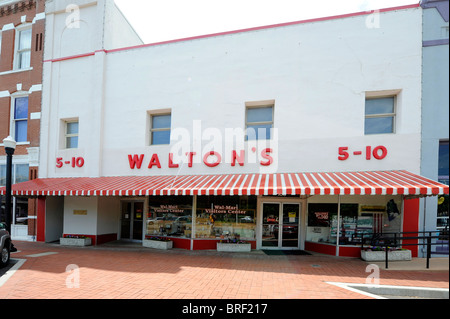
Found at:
[10, 147]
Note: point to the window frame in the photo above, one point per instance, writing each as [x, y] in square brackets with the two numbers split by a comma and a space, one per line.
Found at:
[17, 51]
[392, 115]
[259, 105]
[152, 130]
[13, 119]
[67, 135]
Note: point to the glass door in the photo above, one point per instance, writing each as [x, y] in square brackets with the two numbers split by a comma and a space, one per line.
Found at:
[290, 226]
[131, 220]
[280, 225]
[270, 224]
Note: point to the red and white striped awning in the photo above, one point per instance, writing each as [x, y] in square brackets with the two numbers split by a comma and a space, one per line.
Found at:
[331, 183]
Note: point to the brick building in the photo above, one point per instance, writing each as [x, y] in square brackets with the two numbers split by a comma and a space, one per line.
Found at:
[22, 25]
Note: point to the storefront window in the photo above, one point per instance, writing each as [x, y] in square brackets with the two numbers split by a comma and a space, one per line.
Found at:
[356, 221]
[222, 217]
[169, 216]
[21, 209]
[442, 222]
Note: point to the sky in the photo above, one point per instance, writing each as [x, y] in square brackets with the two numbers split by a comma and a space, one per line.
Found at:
[162, 20]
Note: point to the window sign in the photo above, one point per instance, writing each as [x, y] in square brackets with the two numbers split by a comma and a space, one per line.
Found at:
[219, 217]
[170, 216]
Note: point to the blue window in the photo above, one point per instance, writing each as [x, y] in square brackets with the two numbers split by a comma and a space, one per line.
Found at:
[72, 135]
[443, 162]
[160, 129]
[20, 119]
[380, 116]
[259, 122]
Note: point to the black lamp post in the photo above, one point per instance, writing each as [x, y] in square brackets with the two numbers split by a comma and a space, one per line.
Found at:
[10, 147]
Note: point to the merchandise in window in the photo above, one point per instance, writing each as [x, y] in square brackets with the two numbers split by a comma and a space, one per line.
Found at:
[169, 216]
[225, 218]
[21, 211]
[356, 221]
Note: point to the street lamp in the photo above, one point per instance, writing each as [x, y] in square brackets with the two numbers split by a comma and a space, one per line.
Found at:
[10, 146]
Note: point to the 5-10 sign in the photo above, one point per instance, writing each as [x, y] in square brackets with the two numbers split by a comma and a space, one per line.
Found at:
[73, 162]
[378, 152]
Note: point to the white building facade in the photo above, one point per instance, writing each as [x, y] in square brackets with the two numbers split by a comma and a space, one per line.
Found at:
[331, 100]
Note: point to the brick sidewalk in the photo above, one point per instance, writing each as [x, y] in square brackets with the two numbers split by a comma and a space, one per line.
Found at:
[142, 273]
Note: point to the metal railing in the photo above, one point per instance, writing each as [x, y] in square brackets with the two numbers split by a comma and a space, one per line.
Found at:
[400, 239]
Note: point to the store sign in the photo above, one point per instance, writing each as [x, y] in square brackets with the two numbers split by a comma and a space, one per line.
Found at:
[379, 152]
[73, 162]
[167, 209]
[225, 209]
[210, 159]
[321, 215]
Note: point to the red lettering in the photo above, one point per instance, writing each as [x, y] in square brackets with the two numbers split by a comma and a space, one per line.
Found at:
[383, 152]
[154, 161]
[240, 159]
[135, 161]
[171, 164]
[368, 152]
[59, 162]
[343, 154]
[205, 159]
[190, 157]
[264, 154]
[79, 162]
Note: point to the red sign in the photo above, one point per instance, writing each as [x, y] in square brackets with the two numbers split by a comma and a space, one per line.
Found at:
[74, 162]
[210, 159]
[378, 152]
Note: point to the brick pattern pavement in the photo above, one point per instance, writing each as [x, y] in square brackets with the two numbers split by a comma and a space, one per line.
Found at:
[143, 273]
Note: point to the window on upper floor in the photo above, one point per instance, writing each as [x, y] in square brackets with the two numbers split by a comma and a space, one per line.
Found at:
[259, 121]
[71, 134]
[160, 129]
[379, 115]
[23, 48]
[20, 119]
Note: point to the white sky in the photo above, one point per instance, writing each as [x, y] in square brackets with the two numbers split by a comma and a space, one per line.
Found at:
[160, 20]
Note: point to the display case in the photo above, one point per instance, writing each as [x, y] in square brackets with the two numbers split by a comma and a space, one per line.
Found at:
[170, 216]
[224, 218]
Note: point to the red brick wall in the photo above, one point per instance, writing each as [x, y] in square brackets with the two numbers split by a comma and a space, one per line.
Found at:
[9, 81]
[12, 14]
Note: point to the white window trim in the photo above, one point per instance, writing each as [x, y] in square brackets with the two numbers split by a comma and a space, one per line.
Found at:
[19, 29]
[12, 124]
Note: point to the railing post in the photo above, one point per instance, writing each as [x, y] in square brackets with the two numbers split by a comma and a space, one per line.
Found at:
[428, 251]
[387, 254]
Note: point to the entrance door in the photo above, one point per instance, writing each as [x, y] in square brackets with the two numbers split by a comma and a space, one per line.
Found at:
[280, 226]
[131, 220]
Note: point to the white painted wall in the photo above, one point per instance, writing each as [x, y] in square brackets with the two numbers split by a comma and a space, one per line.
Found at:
[317, 73]
[80, 224]
[108, 215]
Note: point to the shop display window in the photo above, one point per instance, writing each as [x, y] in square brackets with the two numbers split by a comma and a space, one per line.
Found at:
[356, 221]
[220, 217]
[169, 216]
